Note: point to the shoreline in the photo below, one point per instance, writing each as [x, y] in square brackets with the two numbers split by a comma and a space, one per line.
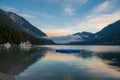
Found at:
[4, 76]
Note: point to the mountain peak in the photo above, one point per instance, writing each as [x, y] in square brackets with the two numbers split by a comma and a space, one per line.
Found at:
[25, 25]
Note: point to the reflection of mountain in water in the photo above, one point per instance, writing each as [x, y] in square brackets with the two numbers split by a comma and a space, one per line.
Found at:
[86, 65]
[15, 60]
[111, 58]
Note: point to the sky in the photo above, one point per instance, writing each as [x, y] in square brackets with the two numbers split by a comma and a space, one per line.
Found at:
[64, 17]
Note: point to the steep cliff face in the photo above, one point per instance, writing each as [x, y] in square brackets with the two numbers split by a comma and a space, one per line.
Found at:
[25, 25]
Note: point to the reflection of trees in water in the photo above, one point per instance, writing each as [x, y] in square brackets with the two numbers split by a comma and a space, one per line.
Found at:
[113, 58]
[15, 60]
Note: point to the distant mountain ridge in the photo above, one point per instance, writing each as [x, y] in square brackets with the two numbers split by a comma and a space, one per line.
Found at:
[25, 25]
[72, 38]
[109, 35]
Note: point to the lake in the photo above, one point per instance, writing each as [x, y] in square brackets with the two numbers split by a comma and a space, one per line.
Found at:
[45, 63]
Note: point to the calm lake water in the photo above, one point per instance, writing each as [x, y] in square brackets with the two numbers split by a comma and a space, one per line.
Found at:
[44, 63]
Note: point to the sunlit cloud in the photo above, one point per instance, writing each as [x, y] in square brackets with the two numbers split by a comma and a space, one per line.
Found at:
[92, 23]
[95, 23]
[100, 16]
[64, 17]
[59, 32]
[98, 19]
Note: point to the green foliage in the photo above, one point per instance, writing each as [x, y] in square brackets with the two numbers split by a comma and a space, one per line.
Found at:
[11, 32]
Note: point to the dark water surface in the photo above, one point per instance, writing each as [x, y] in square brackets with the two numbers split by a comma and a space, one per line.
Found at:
[44, 63]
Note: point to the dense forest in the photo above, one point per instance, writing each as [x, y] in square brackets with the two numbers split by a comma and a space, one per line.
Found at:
[12, 33]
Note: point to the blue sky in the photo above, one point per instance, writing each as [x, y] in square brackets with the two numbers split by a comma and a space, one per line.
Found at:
[63, 17]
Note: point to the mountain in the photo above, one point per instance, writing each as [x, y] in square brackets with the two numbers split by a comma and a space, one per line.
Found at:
[85, 35]
[11, 32]
[28, 27]
[77, 37]
[110, 34]
[15, 29]
[25, 25]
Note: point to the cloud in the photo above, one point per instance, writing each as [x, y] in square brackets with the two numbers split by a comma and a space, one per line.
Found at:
[95, 23]
[26, 15]
[69, 11]
[92, 23]
[68, 2]
[11, 9]
[106, 6]
[59, 32]
[69, 6]
[100, 16]
[8, 8]
[102, 7]
[40, 14]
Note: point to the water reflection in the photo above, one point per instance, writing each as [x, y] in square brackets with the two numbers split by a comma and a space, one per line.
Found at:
[93, 48]
[44, 63]
[15, 60]
[86, 65]
[112, 59]
[25, 47]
